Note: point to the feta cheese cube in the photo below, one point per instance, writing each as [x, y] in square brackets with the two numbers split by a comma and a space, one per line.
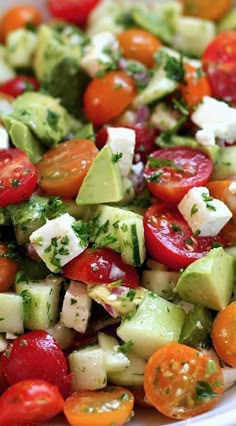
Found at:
[216, 119]
[98, 54]
[57, 243]
[4, 138]
[122, 141]
[205, 215]
[76, 309]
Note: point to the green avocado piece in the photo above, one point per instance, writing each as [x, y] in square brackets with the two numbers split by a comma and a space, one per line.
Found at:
[228, 22]
[20, 48]
[103, 183]
[5, 218]
[22, 137]
[208, 281]
[225, 166]
[197, 327]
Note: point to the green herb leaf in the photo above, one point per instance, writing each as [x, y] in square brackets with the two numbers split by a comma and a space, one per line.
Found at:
[204, 391]
[154, 162]
[126, 347]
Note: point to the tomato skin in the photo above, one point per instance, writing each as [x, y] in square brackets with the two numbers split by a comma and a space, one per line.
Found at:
[107, 97]
[219, 63]
[62, 169]
[223, 334]
[18, 17]
[8, 269]
[207, 9]
[18, 85]
[18, 177]
[97, 266]
[139, 45]
[182, 382]
[174, 183]
[75, 11]
[30, 402]
[35, 355]
[194, 87]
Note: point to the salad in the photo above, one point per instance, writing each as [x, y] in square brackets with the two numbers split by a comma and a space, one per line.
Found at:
[117, 210]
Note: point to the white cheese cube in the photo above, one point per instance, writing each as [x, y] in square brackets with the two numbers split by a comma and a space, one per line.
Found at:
[76, 309]
[57, 243]
[216, 119]
[4, 138]
[122, 141]
[205, 215]
[98, 54]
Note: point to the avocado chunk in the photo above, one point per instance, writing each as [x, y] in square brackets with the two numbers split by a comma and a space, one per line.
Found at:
[225, 167]
[5, 218]
[32, 269]
[155, 323]
[20, 48]
[197, 327]
[22, 137]
[208, 281]
[228, 22]
[103, 183]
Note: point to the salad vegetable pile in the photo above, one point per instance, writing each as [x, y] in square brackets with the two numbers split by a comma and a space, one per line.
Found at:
[117, 209]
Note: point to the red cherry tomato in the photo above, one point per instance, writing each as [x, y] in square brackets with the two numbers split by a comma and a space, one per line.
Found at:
[18, 177]
[171, 172]
[3, 381]
[107, 97]
[30, 402]
[219, 63]
[170, 241]
[18, 85]
[75, 11]
[101, 266]
[35, 355]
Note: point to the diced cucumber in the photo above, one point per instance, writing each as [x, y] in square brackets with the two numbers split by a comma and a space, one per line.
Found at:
[115, 361]
[225, 167]
[132, 375]
[153, 21]
[228, 22]
[155, 266]
[41, 302]
[63, 335]
[231, 250]
[131, 237]
[105, 18]
[6, 71]
[88, 370]
[161, 282]
[11, 313]
[155, 322]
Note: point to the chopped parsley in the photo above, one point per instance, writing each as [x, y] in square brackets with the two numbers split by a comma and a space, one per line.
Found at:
[15, 183]
[155, 176]
[173, 67]
[52, 119]
[204, 391]
[116, 157]
[163, 162]
[126, 347]
[27, 304]
[194, 209]
[177, 228]
[207, 199]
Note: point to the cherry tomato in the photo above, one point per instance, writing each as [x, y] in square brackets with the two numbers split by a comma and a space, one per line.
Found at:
[219, 63]
[18, 177]
[113, 405]
[101, 266]
[18, 85]
[30, 402]
[35, 355]
[170, 241]
[195, 86]
[220, 190]
[223, 334]
[62, 169]
[139, 45]
[182, 382]
[107, 97]
[171, 172]
[207, 9]
[8, 268]
[3, 381]
[18, 17]
[75, 11]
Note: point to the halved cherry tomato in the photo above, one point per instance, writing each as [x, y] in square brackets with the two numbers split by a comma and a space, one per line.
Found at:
[101, 266]
[3, 381]
[8, 268]
[18, 177]
[220, 189]
[219, 63]
[181, 382]
[62, 169]
[113, 405]
[170, 241]
[195, 86]
[18, 85]
[140, 45]
[30, 402]
[35, 355]
[207, 9]
[18, 17]
[171, 172]
[75, 11]
[108, 96]
[223, 334]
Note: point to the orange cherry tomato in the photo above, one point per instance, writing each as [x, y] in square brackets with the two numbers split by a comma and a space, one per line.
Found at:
[223, 334]
[108, 96]
[62, 169]
[220, 189]
[181, 382]
[207, 9]
[111, 406]
[18, 17]
[195, 86]
[8, 268]
[139, 45]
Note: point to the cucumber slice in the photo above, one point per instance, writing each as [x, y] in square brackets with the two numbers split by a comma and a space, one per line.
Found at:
[132, 375]
[63, 335]
[115, 361]
[225, 166]
[11, 313]
[161, 282]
